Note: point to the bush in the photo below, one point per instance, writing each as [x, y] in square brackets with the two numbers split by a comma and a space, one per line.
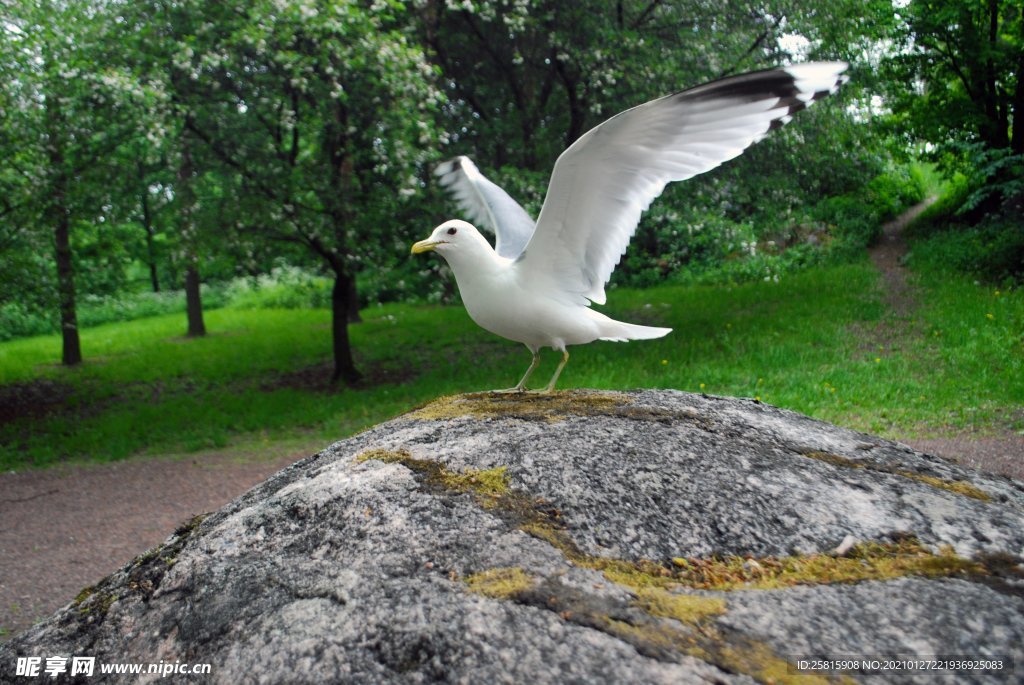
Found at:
[94, 310]
[992, 251]
[854, 223]
[774, 236]
[895, 190]
[952, 235]
[19, 321]
[283, 288]
[856, 219]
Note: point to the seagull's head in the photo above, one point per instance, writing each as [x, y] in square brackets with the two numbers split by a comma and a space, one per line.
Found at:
[451, 238]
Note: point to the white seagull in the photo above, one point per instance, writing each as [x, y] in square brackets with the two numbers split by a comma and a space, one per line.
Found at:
[536, 285]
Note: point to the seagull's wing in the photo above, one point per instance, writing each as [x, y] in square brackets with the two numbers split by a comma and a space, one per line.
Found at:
[487, 205]
[606, 179]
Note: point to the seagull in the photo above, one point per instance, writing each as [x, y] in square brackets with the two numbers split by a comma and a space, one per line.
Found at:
[536, 285]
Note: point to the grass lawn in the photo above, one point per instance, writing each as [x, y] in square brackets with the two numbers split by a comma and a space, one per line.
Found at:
[819, 342]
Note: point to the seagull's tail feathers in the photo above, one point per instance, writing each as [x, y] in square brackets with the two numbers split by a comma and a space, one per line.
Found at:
[618, 331]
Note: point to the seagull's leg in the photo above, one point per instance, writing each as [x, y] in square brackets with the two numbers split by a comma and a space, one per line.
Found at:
[558, 372]
[521, 385]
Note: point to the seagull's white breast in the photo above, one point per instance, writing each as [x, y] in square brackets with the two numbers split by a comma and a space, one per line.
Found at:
[498, 302]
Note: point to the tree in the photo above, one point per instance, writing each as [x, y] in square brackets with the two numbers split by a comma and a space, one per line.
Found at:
[319, 116]
[526, 79]
[66, 111]
[965, 62]
[158, 38]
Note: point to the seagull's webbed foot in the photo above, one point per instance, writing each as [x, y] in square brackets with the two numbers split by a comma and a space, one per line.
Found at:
[521, 385]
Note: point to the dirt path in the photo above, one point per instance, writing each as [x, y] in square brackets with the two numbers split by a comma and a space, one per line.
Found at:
[887, 255]
[1002, 453]
[65, 528]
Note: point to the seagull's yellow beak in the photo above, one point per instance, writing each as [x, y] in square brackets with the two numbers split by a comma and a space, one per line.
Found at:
[425, 246]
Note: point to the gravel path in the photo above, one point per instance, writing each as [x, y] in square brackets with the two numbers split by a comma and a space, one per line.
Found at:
[62, 529]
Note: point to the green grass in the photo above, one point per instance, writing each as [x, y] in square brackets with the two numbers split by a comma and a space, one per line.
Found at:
[806, 343]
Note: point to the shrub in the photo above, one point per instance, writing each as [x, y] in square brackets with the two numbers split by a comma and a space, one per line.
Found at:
[283, 288]
[19, 321]
[992, 251]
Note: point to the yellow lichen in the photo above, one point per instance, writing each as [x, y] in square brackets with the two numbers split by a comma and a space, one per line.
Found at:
[92, 601]
[500, 583]
[648, 635]
[961, 487]
[635, 574]
[556, 537]
[387, 456]
[487, 485]
[85, 594]
[868, 561]
[551, 407]
[733, 653]
[759, 661]
[682, 607]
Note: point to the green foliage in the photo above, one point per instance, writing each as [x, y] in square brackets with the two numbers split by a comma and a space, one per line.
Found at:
[18, 320]
[895, 190]
[798, 343]
[945, 238]
[952, 196]
[856, 219]
[691, 245]
[963, 62]
[283, 288]
[244, 135]
[992, 251]
[514, 107]
[928, 177]
[990, 174]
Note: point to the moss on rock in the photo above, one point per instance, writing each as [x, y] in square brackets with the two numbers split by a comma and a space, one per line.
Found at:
[500, 583]
[487, 485]
[867, 561]
[550, 407]
[960, 487]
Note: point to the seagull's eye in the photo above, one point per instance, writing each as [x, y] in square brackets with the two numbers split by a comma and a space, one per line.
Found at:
[452, 231]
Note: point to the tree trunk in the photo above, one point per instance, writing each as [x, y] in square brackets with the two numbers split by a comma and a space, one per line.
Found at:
[193, 303]
[147, 224]
[72, 347]
[154, 277]
[60, 215]
[344, 366]
[577, 110]
[353, 302]
[189, 239]
[997, 130]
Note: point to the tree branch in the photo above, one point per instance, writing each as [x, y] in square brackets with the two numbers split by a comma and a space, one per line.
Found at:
[653, 5]
[753, 46]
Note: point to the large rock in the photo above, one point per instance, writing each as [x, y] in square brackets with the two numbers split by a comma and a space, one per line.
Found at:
[649, 537]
